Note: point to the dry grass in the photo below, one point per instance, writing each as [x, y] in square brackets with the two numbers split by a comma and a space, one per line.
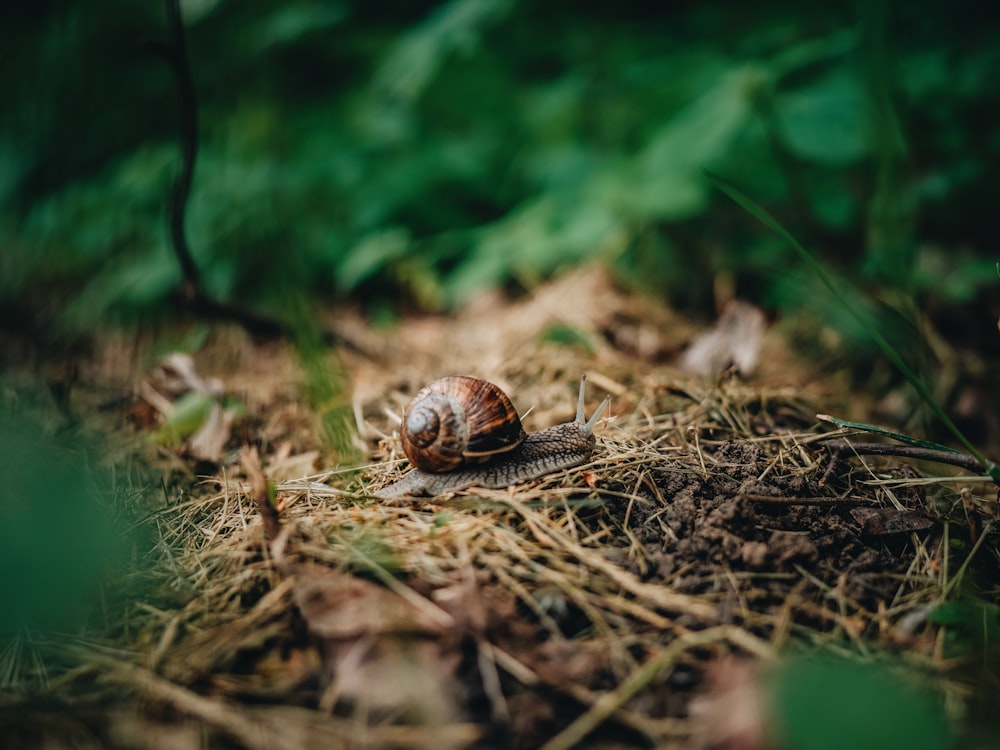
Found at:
[583, 608]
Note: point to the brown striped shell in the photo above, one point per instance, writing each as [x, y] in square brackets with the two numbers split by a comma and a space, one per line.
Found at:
[458, 419]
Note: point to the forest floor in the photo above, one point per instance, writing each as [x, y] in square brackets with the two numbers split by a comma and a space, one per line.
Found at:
[636, 601]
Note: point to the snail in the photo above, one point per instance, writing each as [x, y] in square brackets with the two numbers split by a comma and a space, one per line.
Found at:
[460, 432]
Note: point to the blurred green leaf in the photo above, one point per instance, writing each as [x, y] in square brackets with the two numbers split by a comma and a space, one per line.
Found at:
[371, 255]
[59, 540]
[532, 243]
[823, 703]
[191, 411]
[124, 287]
[503, 142]
[827, 122]
[290, 22]
[454, 28]
[565, 335]
[974, 613]
[973, 628]
[665, 180]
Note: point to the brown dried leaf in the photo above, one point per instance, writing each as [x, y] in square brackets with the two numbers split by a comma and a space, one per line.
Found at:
[338, 605]
[730, 715]
[178, 374]
[393, 674]
[463, 601]
[734, 342]
[208, 443]
[887, 521]
[383, 652]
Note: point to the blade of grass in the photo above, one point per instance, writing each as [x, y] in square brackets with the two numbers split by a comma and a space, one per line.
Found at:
[886, 433]
[755, 210]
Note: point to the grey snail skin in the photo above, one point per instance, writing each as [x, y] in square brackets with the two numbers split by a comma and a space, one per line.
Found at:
[461, 432]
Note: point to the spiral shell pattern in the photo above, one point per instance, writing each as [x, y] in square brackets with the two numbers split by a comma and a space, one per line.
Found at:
[459, 419]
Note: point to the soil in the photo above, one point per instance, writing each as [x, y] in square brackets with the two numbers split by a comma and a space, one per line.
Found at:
[275, 603]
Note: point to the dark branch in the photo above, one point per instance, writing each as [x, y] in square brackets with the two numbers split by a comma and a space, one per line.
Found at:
[839, 449]
[194, 294]
[176, 55]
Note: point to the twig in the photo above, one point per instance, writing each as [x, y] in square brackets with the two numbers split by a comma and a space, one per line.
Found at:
[193, 291]
[261, 494]
[838, 449]
[188, 106]
[782, 500]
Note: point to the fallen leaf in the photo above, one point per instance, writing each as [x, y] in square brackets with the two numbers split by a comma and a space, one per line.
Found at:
[209, 442]
[886, 521]
[383, 653]
[340, 605]
[190, 408]
[729, 715]
[734, 342]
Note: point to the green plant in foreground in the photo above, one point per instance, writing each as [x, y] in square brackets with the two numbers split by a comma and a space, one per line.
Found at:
[820, 703]
[59, 540]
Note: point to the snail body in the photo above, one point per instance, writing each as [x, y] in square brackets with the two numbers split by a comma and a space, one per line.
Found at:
[497, 452]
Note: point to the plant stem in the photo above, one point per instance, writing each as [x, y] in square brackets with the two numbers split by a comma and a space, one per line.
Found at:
[952, 458]
[188, 106]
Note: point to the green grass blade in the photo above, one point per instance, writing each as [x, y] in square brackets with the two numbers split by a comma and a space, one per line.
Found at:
[885, 433]
[771, 223]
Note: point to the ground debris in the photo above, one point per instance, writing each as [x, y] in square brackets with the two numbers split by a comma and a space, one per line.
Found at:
[288, 610]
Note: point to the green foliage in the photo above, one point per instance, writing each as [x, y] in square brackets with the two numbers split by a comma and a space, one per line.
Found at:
[875, 430]
[565, 335]
[325, 385]
[59, 540]
[355, 153]
[827, 123]
[863, 320]
[973, 628]
[822, 702]
[191, 411]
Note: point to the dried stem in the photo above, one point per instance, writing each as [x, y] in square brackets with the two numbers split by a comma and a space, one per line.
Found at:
[838, 449]
[195, 295]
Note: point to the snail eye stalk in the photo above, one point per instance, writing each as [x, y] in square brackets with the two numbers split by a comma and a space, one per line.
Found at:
[588, 424]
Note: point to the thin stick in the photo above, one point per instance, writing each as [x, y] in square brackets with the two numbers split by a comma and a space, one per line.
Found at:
[194, 293]
[782, 500]
[953, 458]
[188, 106]
[250, 459]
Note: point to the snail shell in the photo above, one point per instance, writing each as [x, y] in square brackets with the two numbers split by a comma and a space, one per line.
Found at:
[501, 456]
[456, 420]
